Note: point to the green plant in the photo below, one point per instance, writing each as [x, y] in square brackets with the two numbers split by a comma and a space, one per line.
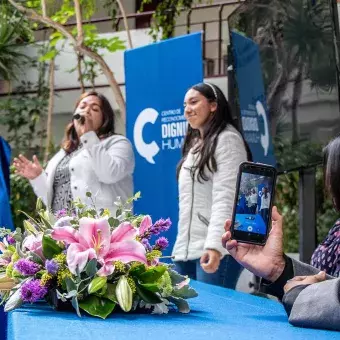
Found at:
[287, 191]
[22, 115]
[22, 198]
[12, 35]
[287, 194]
[166, 14]
[56, 19]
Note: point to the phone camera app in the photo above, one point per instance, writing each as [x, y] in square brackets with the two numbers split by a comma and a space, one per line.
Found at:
[252, 210]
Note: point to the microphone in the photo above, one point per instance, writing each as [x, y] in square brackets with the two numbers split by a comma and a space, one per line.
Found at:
[79, 117]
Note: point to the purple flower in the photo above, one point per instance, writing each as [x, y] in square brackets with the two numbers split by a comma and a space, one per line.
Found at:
[61, 213]
[26, 267]
[160, 226]
[10, 239]
[51, 267]
[146, 244]
[161, 243]
[32, 291]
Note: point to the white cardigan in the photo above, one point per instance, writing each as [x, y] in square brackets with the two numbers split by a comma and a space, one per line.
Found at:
[204, 207]
[103, 167]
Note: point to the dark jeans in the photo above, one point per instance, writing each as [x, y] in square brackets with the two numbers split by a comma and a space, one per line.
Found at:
[226, 276]
[253, 209]
[264, 214]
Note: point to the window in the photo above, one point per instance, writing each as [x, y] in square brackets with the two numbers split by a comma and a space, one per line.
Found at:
[144, 21]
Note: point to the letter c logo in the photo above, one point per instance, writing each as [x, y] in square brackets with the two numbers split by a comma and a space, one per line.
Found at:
[147, 151]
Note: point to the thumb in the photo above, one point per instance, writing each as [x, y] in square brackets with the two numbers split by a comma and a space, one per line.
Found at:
[36, 161]
[321, 276]
[204, 258]
[276, 222]
[276, 217]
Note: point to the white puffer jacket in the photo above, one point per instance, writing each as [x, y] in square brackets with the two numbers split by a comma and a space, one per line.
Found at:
[103, 167]
[204, 206]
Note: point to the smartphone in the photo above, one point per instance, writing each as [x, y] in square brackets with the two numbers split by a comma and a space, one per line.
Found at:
[254, 197]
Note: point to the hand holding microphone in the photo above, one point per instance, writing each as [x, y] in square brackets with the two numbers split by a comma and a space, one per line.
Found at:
[82, 122]
[79, 117]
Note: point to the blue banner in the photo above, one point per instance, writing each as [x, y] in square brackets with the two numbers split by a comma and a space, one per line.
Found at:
[252, 99]
[157, 77]
[5, 208]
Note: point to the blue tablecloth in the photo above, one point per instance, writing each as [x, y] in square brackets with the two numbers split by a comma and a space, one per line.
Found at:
[217, 313]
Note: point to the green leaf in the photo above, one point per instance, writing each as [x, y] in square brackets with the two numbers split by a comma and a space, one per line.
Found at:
[36, 258]
[39, 204]
[152, 274]
[50, 247]
[147, 296]
[124, 294]
[70, 284]
[181, 304]
[175, 277]
[118, 212]
[110, 292]
[75, 305]
[88, 194]
[14, 301]
[113, 222]
[29, 227]
[49, 55]
[91, 267]
[185, 292]
[96, 284]
[137, 271]
[97, 306]
[152, 287]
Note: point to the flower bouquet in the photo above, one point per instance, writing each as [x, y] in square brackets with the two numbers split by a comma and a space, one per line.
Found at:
[91, 261]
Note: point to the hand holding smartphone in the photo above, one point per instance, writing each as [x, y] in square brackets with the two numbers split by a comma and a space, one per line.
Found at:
[253, 203]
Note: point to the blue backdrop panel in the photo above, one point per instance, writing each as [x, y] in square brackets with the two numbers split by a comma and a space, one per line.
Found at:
[157, 77]
[253, 104]
[5, 209]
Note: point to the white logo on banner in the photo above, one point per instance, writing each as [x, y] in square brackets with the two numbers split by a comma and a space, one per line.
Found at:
[173, 129]
[264, 138]
[148, 151]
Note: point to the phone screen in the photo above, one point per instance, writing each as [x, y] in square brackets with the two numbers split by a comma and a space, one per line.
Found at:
[253, 203]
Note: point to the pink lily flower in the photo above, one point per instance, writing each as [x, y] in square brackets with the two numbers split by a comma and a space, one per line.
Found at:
[94, 240]
[145, 225]
[34, 244]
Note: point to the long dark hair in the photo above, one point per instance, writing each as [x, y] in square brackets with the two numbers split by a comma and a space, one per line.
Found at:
[71, 139]
[332, 170]
[220, 120]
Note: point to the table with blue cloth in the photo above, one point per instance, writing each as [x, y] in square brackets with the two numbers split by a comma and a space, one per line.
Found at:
[217, 313]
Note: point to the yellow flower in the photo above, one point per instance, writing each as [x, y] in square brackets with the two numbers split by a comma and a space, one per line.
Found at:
[45, 278]
[165, 284]
[62, 275]
[132, 284]
[60, 259]
[119, 266]
[106, 212]
[154, 254]
[9, 270]
[15, 257]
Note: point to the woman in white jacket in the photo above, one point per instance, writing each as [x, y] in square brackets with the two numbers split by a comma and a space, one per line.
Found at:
[207, 173]
[92, 159]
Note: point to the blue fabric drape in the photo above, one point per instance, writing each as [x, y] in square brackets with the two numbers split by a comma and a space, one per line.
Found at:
[216, 314]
